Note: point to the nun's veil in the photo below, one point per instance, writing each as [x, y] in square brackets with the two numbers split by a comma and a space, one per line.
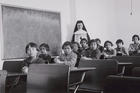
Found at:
[80, 21]
[76, 29]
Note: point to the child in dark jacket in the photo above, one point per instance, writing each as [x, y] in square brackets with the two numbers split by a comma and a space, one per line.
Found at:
[120, 50]
[32, 53]
[45, 53]
[93, 52]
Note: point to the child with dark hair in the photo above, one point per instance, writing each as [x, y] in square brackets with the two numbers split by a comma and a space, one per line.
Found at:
[32, 53]
[93, 52]
[80, 32]
[120, 50]
[76, 49]
[68, 57]
[84, 46]
[98, 41]
[45, 53]
[108, 51]
[134, 48]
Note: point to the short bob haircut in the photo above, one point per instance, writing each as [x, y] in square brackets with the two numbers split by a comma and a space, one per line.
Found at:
[119, 41]
[135, 36]
[46, 46]
[83, 39]
[108, 42]
[97, 39]
[67, 43]
[92, 41]
[75, 43]
[31, 44]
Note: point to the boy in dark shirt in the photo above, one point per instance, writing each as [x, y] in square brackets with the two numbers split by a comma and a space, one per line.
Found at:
[120, 50]
[93, 52]
[44, 53]
[98, 41]
[32, 53]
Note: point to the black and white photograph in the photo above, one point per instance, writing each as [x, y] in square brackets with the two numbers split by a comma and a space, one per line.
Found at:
[69, 46]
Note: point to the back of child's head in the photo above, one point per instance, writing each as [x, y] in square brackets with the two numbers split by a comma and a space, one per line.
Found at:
[119, 41]
[46, 46]
[105, 44]
[31, 44]
[67, 43]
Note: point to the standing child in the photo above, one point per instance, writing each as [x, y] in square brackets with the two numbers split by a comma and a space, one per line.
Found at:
[68, 57]
[32, 53]
[45, 53]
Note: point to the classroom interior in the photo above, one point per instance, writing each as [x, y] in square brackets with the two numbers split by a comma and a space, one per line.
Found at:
[104, 19]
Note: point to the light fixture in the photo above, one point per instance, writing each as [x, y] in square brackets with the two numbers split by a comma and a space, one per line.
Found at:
[131, 10]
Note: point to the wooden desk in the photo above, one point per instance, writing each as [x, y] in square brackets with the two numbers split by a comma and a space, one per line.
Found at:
[73, 70]
[12, 74]
[83, 71]
[124, 64]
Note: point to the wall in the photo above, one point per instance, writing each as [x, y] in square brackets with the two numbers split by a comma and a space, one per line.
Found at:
[98, 17]
[105, 19]
[62, 6]
[127, 25]
[110, 19]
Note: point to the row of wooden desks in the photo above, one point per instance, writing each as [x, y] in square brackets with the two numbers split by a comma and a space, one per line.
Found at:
[73, 70]
[10, 74]
[82, 70]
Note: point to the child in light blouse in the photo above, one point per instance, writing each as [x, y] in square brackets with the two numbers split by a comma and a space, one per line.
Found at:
[68, 57]
[134, 48]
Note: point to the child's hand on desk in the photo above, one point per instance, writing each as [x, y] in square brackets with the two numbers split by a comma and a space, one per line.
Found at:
[138, 51]
[25, 69]
[86, 58]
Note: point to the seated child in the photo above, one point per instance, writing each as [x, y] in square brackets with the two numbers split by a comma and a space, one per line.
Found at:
[120, 50]
[84, 46]
[44, 53]
[68, 57]
[75, 48]
[108, 51]
[101, 48]
[32, 53]
[93, 52]
[134, 48]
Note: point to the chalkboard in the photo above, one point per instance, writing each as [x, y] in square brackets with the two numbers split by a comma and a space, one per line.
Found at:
[24, 25]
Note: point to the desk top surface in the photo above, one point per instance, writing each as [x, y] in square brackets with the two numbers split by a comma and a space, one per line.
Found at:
[125, 63]
[82, 69]
[12, 74]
